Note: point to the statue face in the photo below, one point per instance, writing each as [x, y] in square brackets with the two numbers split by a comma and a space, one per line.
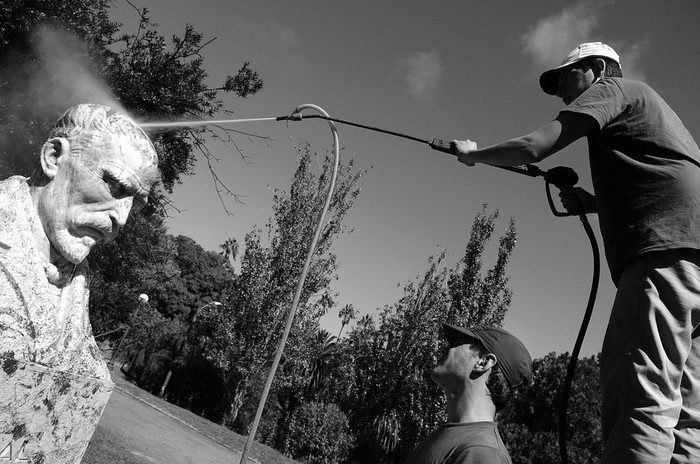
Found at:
[91, 195]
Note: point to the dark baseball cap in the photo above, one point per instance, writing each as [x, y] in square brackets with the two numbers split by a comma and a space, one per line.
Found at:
[513, 358]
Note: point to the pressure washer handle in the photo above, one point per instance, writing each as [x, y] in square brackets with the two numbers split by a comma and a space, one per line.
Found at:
[442, 145]
[562, 178]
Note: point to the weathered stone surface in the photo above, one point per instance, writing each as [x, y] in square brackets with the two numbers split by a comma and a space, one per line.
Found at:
[39, 321]
[47, 416]
[54, 383]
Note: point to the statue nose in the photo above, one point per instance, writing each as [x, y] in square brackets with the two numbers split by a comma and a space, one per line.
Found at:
[121, 211]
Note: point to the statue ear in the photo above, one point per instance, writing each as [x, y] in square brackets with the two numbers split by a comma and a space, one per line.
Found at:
[51, 151]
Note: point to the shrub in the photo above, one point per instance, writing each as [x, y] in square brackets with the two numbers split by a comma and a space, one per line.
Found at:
[318, 433]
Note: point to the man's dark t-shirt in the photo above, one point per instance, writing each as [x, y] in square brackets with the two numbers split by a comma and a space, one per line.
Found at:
[645, 168]
[467, 443]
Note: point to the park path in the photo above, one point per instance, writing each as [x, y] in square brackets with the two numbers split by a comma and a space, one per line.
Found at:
[154, 437]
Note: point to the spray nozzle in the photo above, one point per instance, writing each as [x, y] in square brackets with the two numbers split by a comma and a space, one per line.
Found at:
[295, 116]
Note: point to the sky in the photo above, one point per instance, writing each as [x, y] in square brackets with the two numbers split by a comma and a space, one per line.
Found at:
[448, 69]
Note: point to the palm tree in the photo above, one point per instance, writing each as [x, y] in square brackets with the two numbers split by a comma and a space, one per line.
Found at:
[229, 250]
[318, 373]
[347, 314]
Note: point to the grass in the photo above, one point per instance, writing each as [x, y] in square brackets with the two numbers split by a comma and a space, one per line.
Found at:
[140, 428]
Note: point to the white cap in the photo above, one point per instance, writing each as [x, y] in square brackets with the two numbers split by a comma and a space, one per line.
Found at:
[549, 80]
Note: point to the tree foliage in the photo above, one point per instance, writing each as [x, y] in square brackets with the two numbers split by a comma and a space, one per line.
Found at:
[141, 260]
[180, 278]
[318, 434]
[242, 336]
[530, 425]
[198, 277]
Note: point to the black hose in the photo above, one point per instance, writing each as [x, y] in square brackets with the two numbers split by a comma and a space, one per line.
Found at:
[563, 416]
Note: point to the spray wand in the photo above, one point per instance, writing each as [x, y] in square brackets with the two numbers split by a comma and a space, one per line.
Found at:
[561, 177]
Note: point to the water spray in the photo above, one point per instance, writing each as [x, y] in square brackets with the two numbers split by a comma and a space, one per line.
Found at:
[185, 124]
[561, 177]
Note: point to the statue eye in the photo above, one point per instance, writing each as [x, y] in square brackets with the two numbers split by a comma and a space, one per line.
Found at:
[116, 188]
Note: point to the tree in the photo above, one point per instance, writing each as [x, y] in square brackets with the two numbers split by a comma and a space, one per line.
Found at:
[185, 280]
[141, 260]
[393, 404]
[242, 336]
[347, 314]
[475, 300]
[324, 349]
[201, 276]
[529, 425]
[229, 251]
[318, 434]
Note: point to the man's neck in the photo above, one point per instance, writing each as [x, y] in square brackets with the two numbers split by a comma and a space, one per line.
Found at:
[469, 407]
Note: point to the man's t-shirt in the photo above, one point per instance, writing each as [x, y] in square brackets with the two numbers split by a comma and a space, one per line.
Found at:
[645, 168]
[468, 443]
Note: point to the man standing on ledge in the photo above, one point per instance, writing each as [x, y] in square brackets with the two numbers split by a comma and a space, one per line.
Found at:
[94, 165]
[645, 168]
[480, 371]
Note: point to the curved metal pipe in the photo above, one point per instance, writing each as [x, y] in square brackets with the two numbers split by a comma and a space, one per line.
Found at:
[300, 284]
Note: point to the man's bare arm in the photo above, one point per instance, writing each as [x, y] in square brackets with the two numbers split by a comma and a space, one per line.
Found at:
[531, 148]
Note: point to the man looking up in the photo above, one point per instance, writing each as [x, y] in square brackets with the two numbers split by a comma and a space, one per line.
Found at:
[645, 168]
[479, 372]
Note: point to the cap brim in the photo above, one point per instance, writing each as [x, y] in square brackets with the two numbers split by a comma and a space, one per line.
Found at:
[549, 80]
[454, 334]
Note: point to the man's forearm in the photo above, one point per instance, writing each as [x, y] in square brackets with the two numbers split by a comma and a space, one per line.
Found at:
[530, 148]
[513, 152]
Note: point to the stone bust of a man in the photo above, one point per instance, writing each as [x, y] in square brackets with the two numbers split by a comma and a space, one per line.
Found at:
[54, 383]
[94, 165]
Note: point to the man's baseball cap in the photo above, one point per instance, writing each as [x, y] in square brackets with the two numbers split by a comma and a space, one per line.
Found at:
[549, 80]
[513, 358]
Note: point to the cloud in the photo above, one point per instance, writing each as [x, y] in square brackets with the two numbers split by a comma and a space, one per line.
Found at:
[423, 73]
[552, 38]
[631, 54]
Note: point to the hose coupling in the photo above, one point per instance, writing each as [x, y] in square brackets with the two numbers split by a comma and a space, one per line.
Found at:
[296, 116]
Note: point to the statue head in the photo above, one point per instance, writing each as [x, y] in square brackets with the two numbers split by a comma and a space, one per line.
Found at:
[95, 163]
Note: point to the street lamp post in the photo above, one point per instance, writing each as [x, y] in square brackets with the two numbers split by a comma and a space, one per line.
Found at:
[189, 328]
[143, 299]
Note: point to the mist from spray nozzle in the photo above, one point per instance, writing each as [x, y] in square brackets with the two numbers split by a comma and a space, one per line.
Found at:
[64, 78]
[42, 83]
